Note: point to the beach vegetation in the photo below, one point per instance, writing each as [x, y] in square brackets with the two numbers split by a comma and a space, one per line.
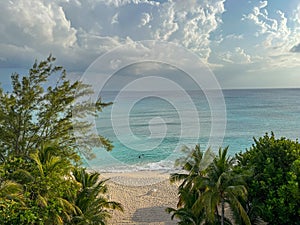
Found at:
[205, 190]
[43, 107]
[192, 171]
[259, 186]
[273, 187]
[90, 199]
[43, 136]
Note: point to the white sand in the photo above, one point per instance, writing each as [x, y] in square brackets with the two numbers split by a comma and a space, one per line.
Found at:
[144, 196]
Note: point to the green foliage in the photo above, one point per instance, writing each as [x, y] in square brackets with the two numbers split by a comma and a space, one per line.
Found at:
[93, 207]
[224, 186]
[44, 181]
[204, 189]
[188, 195]
[42, 128]
[13, 213]
[36, 112]
[274, 186]
[270, 171]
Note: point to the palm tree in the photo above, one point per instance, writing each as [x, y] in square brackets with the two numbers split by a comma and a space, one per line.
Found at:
[191, 166]
[54, 174]
[222, 185]
[210, 186]
[184, 211]
[11, 201]
[188, 195]
[46, 181]
[92, 205]
[11, 190]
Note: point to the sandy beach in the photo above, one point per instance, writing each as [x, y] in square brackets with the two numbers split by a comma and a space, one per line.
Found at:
[144, 196]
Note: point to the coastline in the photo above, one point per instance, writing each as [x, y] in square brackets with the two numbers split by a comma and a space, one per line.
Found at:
[144, 196]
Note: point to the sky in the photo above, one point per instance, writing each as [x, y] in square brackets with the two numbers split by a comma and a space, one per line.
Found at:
[246, 44]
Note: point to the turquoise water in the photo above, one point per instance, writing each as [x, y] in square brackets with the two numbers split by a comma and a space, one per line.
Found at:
[150, 135]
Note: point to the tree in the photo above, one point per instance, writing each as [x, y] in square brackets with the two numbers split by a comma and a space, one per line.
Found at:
[56, 192]
[205, 189]
[42, 128]
[185, 211]
[274, 185]
[92, 205]
[11, 190]
[46, 181]
[188, 195]
[222, 186]
[11, 197]
[36, 112]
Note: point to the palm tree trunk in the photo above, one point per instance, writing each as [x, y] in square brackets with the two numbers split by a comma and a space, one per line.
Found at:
[222, 217]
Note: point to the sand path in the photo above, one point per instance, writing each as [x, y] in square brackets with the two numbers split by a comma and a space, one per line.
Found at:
[144, 196]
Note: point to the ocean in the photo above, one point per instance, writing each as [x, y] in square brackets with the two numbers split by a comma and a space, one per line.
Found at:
[148, 130]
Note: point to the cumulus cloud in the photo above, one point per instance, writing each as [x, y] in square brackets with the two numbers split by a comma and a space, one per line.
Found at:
[38, 22]
[296, 30]
[244, 57]
[119, 3]
[263, 4]
[168, 25]
[34, 29]
[190, 23]
[146, 18]
[31, 29]
[237, 56]
[277, 37]
[271, 44]
[275, 30]
[261, 18]
[78, 31]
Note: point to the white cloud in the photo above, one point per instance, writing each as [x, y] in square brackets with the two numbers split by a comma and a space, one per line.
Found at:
[34, 29]
[276, 37]
[237, 56]
[244, 57]
[77, 31]
[146, 18]
[168, 24]
[261, 19]
[119, 3]
[296, 16]
[276, 31]
[295, 32]
[235, 36]
[115, 19]
[263, 4]
[41, 22]
[190, 23]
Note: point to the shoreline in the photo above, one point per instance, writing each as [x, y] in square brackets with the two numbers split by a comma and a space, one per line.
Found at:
[136, 178]
[144, 196]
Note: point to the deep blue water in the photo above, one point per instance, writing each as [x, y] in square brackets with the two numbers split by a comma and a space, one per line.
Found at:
[150, 134]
